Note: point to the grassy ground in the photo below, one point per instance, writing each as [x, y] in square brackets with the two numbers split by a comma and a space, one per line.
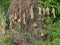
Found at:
[54, 33]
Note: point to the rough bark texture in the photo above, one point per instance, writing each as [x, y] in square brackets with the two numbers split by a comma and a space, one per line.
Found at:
[23, 16]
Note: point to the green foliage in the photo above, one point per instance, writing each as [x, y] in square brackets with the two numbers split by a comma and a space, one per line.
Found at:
[52, 25]
[4, 4]
[51, 4]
